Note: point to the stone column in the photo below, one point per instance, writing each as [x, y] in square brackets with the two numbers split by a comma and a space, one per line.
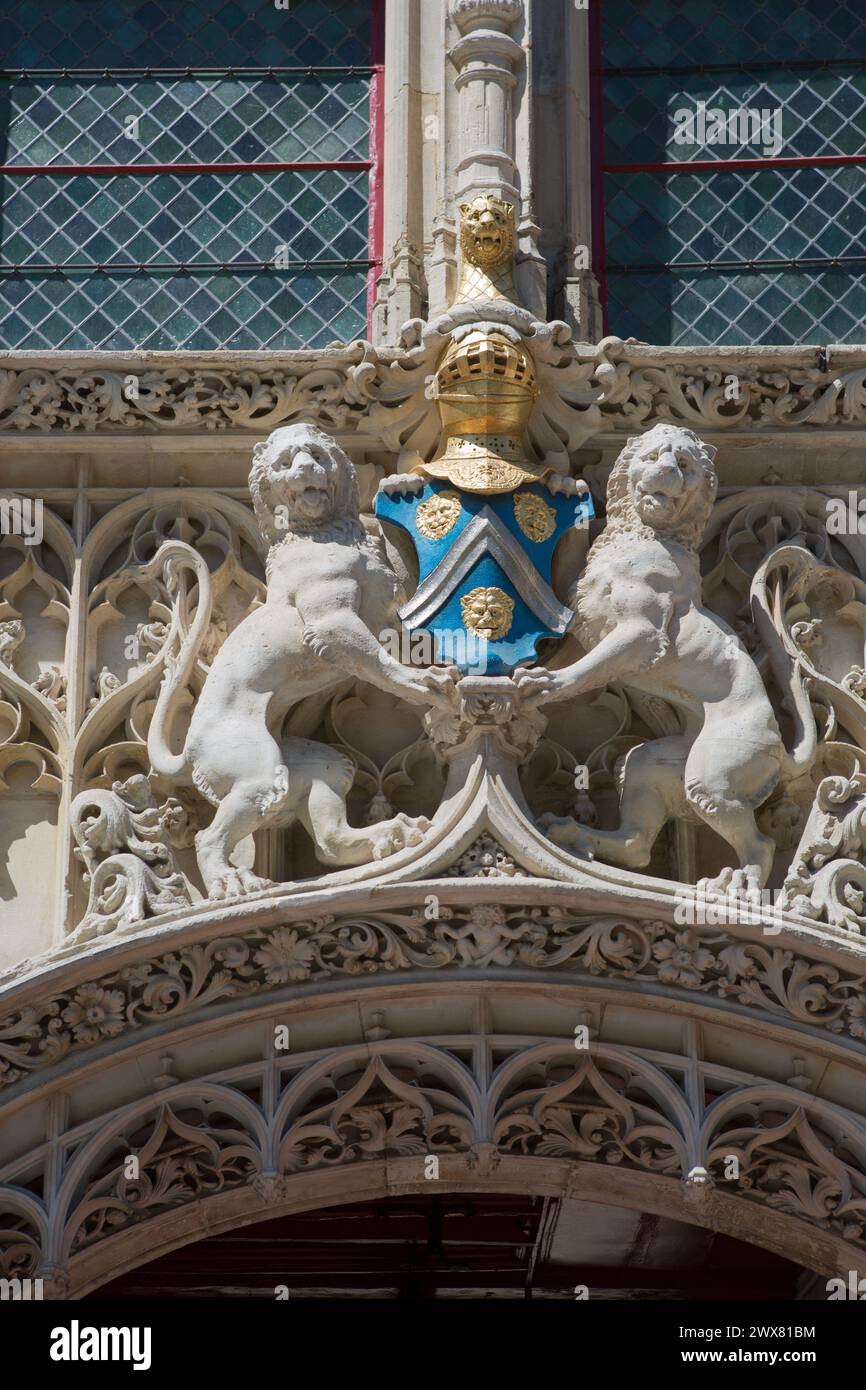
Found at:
[402, 291]
[559, 110]
[487, 63]
[486, 57]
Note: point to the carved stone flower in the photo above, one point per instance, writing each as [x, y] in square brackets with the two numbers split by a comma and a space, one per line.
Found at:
[287, 956]
[856, 1009]
[682, 961]
[95, 1013]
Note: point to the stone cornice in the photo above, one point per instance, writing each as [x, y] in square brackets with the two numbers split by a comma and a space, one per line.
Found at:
[357, 388]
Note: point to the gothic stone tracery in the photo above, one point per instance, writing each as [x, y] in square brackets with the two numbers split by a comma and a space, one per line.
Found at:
[209, 713]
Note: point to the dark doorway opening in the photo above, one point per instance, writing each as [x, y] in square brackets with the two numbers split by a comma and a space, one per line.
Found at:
[454, 1246]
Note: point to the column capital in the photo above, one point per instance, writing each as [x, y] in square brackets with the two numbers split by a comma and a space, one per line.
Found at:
[469, 14]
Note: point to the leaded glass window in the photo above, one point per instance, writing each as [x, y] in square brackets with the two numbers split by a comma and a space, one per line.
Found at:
[186, 176]
[764, 240]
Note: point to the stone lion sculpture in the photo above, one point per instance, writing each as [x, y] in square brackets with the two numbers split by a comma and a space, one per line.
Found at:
[330, 589]
[640, 619]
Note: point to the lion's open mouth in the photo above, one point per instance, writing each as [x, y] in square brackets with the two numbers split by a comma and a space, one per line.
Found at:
[310, 501]
[657, 502]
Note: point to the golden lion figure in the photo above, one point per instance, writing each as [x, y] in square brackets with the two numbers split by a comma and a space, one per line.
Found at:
[330, 589]
[641, 620]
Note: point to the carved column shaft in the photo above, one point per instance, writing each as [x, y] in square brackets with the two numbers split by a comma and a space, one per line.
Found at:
[487, 58]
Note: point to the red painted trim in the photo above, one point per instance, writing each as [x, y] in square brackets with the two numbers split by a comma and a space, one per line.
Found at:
[107, 170]
[377, 144]
[709, 166]
[596, 160]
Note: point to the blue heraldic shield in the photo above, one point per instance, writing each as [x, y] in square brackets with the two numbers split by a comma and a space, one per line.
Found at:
[484, 585]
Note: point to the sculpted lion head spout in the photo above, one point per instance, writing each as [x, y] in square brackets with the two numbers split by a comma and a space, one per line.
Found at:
[487, 231]
[302, 483]
[665, 481]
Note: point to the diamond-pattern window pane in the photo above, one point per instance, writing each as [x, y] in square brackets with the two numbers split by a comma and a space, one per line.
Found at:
[178, 219]
[141, 227]
[767, 215]
[194, 309]
[683, 33]
[195, 120]
[662, 229]
[785, 308]
[810, 112]
[173, 33]
[164, 218]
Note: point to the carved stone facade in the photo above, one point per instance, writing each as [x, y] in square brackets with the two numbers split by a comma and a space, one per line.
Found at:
[234, 794]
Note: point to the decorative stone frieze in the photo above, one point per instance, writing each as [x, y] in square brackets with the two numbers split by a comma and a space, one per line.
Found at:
[632, 385]
[794, 981]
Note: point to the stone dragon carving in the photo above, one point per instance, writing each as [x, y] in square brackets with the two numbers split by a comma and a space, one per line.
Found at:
[641, 619]
[329, 591]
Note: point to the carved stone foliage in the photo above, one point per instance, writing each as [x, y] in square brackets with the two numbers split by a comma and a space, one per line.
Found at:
[35, 578]
[240, 394]
[692, 386]
[402, 1101]
[80, 663]
[379, 1111]
[125, 841]
[827, 878]
[20, 1246]
[178, 1155]
[629, 385]
[749, 970]
[607, 1114]
[806, 1165]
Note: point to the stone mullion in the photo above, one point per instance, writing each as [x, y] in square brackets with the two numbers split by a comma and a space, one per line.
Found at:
[76, 710]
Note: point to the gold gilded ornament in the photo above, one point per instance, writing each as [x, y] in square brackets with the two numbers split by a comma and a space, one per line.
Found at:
[481, 474]
[485, 387]
[485, 384]
[536, 520]
[438, 515]
[488, 238]
[487, 613]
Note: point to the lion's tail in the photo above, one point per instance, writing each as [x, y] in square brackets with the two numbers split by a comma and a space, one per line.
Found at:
[785, 663]
[171, 558]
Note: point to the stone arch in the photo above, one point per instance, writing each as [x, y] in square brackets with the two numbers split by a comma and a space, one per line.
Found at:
[382, 1080]
[771, 1230]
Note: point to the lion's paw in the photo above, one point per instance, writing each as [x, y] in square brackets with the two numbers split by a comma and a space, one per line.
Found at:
[236, 884]
[397, 834]
[566, 832]
[732, 883]
[400, 483]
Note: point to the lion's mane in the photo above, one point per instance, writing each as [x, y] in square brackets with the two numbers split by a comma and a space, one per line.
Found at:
[622, 518]
[267, 491]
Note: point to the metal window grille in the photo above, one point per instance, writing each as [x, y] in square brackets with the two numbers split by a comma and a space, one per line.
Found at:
[145, 204]
[745, 238]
